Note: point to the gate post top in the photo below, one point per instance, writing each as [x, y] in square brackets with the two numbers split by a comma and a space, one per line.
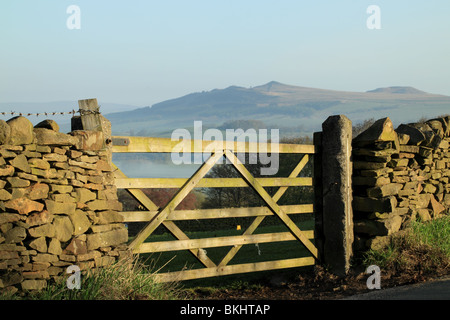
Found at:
[90, 111]
[337, 122]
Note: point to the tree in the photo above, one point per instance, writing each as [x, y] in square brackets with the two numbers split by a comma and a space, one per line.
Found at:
[362, 126]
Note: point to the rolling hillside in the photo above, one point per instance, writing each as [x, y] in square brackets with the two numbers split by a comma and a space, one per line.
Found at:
[292, 109]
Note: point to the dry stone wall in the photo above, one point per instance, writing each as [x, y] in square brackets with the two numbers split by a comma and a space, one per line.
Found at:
[58, 204]
[398, 176]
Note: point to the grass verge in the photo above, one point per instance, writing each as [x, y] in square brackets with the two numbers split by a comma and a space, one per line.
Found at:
[127, 279]
[423, 248]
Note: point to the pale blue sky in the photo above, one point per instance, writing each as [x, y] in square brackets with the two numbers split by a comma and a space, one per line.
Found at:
[143, 52]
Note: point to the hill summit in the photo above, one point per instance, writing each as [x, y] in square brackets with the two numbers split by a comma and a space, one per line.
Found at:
[400, 90]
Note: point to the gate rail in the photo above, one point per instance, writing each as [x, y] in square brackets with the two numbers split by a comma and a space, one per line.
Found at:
[167, 215]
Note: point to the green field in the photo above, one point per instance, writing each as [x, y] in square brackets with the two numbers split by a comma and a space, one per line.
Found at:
[178, 260]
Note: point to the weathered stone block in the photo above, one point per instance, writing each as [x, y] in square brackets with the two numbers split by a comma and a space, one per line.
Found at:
[60, 207]
[20, 162]
[39, 218]
[27, 176]
[67, 257]
[8, 217]
[88, 140]
[98, 205]
[75, 154]
[6, 153]
[104, 166]
[91, 255]
[54, 247]
[406, 192]
[7, 255]
[45, 257]
[47, 174]
[436, 206]
[105, 227]
[21, 131]
[10, 279]
[16, 182]
[94, 186]
[43, 149]
[45, 230]
[33, 284]
[83, 165]
[444, 145]
[39, 163]
[38, 191]
[440, 164]
[63, 228]
[60, 188]
[110, 193]
[385, 190]
[439, 126]
[15, 235]
[24, 205]
[48, 137]
[106, 239]
[5, 195]
[447, 199]
[83, 195]
[80, 221]
[62, 197]
[429, 188]
[107, 217]
[54, 157]
[76, 247]
[381, 130]
[8, 170]
[48, 124]
[424, 214]
[5, 132]
[39, 244]
[420, 201]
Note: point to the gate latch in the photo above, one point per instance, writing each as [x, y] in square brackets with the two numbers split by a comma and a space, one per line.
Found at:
[120, 141]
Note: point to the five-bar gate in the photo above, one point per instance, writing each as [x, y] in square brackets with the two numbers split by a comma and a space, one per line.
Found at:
[168, 216]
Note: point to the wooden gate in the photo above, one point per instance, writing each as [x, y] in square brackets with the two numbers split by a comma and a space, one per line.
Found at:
[167, 215]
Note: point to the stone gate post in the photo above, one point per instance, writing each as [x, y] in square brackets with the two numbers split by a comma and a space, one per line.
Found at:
[337, 214]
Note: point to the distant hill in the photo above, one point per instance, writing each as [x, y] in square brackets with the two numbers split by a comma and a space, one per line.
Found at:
[292, 109]
[400, 90]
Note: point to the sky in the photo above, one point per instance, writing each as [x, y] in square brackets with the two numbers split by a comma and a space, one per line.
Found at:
[144, 52]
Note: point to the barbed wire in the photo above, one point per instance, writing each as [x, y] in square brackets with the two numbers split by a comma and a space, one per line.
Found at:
[37, 114]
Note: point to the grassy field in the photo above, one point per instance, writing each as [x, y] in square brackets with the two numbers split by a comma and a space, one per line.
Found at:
[177, 260]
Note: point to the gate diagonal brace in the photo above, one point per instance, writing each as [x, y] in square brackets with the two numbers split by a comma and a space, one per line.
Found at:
[252, 182]
[190, 184]
[142, 198]
[257, 221]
